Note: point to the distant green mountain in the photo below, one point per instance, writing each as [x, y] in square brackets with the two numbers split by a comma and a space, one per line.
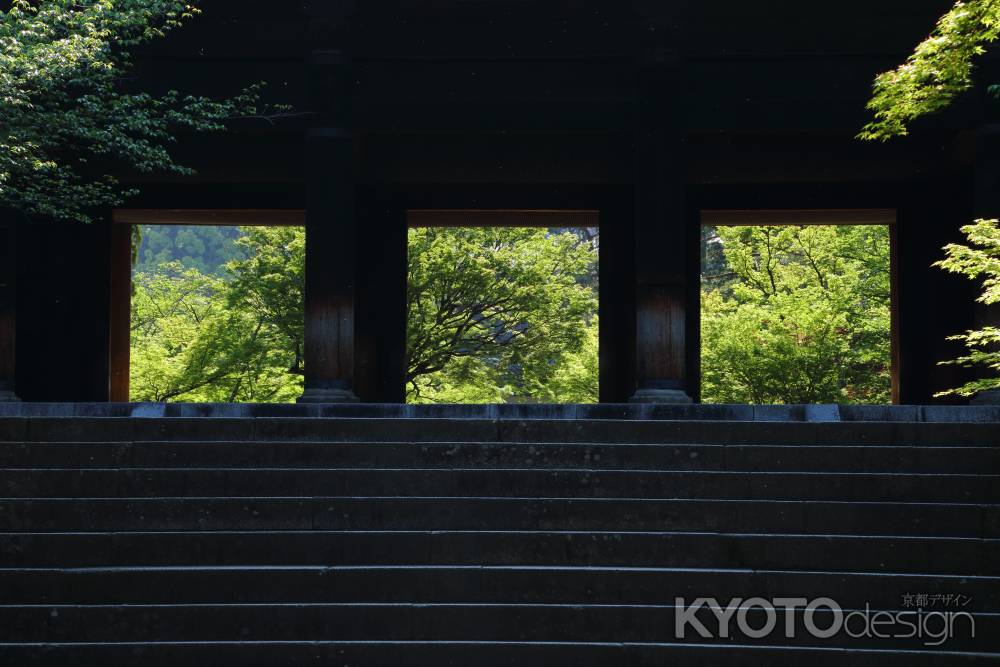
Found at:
[206, 248]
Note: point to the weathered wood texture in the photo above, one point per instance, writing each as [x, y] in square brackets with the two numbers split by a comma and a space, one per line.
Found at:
[332, 262]
[380, 366]
[8, 307]
[63, 318]
[119, 312]
[987, 205]
[661, 233]
[529, 104]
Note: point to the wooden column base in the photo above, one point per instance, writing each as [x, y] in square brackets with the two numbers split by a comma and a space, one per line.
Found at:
[660, 392]
[327, 395]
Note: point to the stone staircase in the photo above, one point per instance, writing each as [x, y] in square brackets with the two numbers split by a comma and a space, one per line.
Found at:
[480, 542]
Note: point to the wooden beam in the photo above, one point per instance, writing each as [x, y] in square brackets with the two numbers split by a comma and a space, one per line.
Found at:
[220, 217]
[503, 218]
[778, 217]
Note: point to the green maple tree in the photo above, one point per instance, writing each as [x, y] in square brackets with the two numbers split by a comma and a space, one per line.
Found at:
[67, 126]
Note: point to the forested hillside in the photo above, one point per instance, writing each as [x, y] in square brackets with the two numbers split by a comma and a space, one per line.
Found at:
[205, 248]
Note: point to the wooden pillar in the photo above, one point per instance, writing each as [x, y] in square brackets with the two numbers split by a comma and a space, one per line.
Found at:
[987, 205]
[8, 308]
[380, 363]
[662, 266]
[120, 310]
[617, 297]
[331, 233]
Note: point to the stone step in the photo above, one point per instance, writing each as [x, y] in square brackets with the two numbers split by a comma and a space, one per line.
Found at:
[119, 429]
[589, 514]
[565, 483]
[491, 455]
[484, 584]
[285, 541]
[462, 654]
[476, 622]
[782, 552]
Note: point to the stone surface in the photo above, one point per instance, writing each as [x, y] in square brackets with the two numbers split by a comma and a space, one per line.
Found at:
[822, 413]
[149, 410]
[381, 540]
[597, 411]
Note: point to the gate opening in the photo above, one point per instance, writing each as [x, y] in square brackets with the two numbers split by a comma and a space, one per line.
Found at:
[502, 307]
[797, 307]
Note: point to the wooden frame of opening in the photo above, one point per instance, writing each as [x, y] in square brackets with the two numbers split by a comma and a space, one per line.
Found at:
[502, 218]
[780, 217]
[867, 216]
[119, 357]
[608, 207]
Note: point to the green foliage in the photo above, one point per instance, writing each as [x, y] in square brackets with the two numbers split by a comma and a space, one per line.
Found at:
[796, 315]
[63, 113]
[206, 338]
[938, 70]
[790, 314]
[270, 282]
[500, 314]
[576, 373]
[168, 310]
[979, 260]
[495, 315]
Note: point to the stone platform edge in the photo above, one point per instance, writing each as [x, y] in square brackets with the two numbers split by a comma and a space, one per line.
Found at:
[630, 411]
